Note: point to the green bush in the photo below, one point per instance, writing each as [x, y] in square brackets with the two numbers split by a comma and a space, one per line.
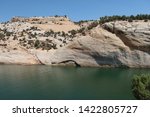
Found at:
[73, 32]
[37, 44]
[141, 86]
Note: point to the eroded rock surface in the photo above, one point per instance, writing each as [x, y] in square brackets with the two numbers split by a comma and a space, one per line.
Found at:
[114, 44]
[102, 49]
[136, 35]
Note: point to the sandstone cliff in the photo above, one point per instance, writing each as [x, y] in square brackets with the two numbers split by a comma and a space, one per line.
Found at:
[37, 41]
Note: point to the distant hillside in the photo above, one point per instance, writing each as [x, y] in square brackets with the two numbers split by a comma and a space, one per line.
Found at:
[111, 41]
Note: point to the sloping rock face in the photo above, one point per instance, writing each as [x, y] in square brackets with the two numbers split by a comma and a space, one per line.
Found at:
[101, 49]
[115, 44]
[88, 51]
[18, 57]
[135, 35]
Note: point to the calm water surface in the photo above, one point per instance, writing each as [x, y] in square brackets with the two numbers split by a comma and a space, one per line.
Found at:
[44, 82]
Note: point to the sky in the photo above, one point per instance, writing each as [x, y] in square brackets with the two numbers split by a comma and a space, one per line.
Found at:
[75, 9]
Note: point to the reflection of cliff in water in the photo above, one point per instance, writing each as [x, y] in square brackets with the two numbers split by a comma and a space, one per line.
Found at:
[44, 82]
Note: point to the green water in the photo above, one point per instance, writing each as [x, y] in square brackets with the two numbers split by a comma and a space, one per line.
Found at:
[44, 82]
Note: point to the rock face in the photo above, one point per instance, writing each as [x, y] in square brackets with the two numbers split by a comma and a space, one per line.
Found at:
[135, 35]
[101, 49]
[114, 44]
[18, 57]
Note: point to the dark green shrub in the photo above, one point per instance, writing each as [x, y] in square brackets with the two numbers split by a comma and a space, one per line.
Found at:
[54, 46]
[145, 20]
[81, 30]
[15, 37]
[63, 34]
[33, 28]
[130, 20]
[48, 46]
[141, 86]
[124, 18]
[49, 33]
[73, 32]
[8, 33]
[36, 44]
[80, 22]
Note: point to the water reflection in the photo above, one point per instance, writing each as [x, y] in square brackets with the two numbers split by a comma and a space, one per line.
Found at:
[44, 82]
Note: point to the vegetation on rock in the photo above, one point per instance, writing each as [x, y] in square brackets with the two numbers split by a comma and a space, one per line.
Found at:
[33, 36]
[105, 19]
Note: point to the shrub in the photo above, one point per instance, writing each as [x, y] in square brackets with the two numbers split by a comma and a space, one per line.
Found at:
[127, 18]
[73, 32]
[55, 35]
[14, 48]
[33, 28]
[130, 20]
[141, 86]
[81, 30]
[2, 36]
[63, 34]
[49, 33]
[145, 20]
[36, 44]
[56, 16]
[8, 33]
[82, 21]
[54, 46]
[49, 46]
[92, 25]
[15, 37]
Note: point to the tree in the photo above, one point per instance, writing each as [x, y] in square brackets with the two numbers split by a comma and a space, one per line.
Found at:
[141, 86]
[56, 16]
[65, 16]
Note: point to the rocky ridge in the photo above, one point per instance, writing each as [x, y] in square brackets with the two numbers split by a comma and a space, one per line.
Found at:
[59, 41]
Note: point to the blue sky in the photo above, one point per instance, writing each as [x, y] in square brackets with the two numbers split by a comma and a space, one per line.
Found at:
[75, 9]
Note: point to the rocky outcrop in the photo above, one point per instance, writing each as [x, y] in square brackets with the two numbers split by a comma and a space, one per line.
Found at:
[39, 19]
[114, 44]
[101, 49]
[18, 57]
[135, 35]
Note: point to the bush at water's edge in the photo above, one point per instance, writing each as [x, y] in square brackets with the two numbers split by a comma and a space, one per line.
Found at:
[141, 86]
